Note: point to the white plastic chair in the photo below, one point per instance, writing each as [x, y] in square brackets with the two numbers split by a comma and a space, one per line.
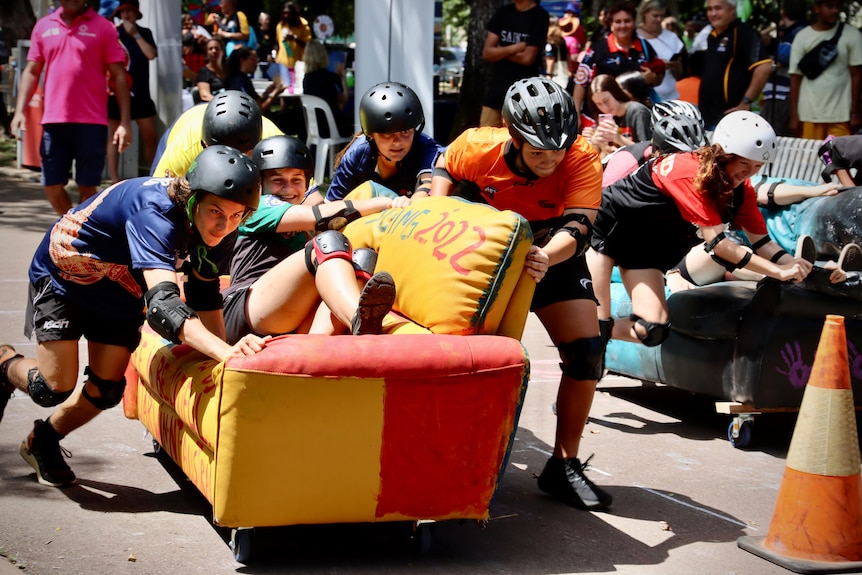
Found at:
[326, 148]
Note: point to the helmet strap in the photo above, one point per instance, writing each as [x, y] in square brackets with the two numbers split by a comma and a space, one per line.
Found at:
[190, 207]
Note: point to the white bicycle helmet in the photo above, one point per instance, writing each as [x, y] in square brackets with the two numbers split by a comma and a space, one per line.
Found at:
[747, 135]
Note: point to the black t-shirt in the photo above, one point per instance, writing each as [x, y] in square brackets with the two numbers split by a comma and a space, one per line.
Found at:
[729, 59]
[211, 78]
[530, 26]
[326, 84]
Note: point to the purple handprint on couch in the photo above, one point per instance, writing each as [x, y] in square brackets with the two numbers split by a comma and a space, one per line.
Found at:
[797, 370]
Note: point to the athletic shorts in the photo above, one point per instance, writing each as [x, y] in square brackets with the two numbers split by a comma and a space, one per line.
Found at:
[141, 107]
[233, 308]
[641, 236]
[568, 280]
[51, 318]
[83, 144]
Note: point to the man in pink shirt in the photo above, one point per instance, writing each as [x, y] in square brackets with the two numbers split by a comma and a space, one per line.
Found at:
[76, 47]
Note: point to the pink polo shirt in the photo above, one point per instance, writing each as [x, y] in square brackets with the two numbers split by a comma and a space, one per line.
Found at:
[76, 60]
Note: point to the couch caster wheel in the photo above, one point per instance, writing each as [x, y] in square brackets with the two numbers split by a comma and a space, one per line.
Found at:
[241, 544]
[158, 450]
[739, 432]
[423, 535]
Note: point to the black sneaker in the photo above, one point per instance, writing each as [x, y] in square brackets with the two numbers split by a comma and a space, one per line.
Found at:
[805, 249]
[850, 259]
[43, 451]
[375, 301]
[565, 480]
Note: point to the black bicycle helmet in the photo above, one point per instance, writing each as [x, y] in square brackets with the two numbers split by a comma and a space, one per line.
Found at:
[283, 152]
[227, 173]
[540, 112]
[232, 119]
[390, 107]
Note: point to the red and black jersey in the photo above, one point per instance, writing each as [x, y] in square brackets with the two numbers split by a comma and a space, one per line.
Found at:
[650, 219]
[607, 57]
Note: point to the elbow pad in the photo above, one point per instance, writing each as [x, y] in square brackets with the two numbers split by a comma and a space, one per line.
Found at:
[582, 238]
[166, 312]
[337, 221]
[202, 295]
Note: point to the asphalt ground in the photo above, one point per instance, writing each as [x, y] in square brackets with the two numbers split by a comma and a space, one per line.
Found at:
[682, 494]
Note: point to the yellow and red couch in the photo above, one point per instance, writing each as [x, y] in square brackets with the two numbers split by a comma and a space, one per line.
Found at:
[411, 425]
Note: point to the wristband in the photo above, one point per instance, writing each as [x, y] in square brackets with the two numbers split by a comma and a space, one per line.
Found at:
[747, 100]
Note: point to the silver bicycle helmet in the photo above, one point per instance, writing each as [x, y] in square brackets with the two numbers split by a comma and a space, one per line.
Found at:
[540, 112]
[677, 126]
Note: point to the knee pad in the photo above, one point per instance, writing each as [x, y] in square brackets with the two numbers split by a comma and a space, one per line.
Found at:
[606, 330]
[656, 333]
[364, 262]
[327, 245]
[110, 392]
[582, 358]
[41, 393]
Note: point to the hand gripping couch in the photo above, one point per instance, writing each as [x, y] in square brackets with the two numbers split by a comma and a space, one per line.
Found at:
[412, 425]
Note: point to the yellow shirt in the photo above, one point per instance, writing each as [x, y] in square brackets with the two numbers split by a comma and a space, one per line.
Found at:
[289, 51]
[184, 142]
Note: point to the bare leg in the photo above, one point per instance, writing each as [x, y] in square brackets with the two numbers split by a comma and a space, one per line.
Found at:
[283, 297]
[149, 137]
[113, 154]
[646, 288]
[566, 322]
[572, 322]
[601, 268]
[59, 198]
[107, 362]
[85, 193]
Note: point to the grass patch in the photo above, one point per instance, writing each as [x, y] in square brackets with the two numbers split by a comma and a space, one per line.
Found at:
[8, 152]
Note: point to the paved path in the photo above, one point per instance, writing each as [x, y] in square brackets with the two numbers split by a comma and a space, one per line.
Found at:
[682, 494]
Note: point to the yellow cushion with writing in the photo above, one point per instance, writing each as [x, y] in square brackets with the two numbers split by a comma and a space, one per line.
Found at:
[455, 263]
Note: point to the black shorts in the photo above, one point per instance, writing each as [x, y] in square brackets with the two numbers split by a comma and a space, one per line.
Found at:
[140, 108]
[568, 280]
[233, 308]
[646, 237]
[51, 318]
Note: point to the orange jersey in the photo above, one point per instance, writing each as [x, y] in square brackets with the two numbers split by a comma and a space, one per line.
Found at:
[478, 155]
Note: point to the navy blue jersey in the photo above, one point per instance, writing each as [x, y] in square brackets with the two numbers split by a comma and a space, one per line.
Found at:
[359, 164]
[95, 254]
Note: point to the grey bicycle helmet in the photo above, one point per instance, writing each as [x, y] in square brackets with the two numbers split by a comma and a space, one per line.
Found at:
[540, 112]
[227, 173]
[677, 126]
[233, 119]
[390, 107]
[675, 108]
[283, 152]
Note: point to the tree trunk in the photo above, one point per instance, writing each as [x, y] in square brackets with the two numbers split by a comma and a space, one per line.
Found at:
[473, 84]
[17, 20]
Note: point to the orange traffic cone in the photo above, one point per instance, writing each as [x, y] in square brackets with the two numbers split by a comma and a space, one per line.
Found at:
[817, 523]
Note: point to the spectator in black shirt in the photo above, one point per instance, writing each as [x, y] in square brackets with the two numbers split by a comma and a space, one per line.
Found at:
[322, 82]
